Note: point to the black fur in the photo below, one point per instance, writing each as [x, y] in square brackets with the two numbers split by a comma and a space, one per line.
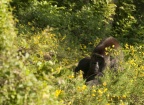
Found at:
[83, 65]
[100, 59]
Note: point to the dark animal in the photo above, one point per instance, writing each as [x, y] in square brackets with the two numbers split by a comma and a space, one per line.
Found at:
[83, 65]
[100, 58]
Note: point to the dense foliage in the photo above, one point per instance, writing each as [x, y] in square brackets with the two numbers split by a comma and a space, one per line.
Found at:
[41, 42]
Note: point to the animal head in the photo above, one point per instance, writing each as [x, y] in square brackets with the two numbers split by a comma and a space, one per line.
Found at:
[97, 63]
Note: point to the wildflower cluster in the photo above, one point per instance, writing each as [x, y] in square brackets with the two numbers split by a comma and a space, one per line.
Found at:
[58, 92]
[81, 88]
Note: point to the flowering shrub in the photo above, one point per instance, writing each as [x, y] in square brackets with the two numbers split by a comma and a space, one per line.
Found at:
[124, 87]
[42, 78]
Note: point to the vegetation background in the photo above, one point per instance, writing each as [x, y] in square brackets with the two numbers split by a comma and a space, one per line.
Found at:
[42, 40]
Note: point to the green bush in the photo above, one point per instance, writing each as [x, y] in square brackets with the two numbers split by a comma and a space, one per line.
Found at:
[42, 74]
[128, 21]
[8, 63]
[86, 20]
[18, 84]
[54, 80]
[86, 24]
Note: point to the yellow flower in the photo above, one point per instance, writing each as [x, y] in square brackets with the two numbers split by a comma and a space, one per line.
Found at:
[94, 90]
[41, 53]
[58, 92]
[84, 47]
[71, 76]
[58, 69]
[29, 23]
[84, 87]
[68, 48]
[93, 86]
[81, 74]
[124, 96]
[143, 53]
[140, 47]
[106, 53]
[69, 103]
[93, 95]
[132, 62]
[131, 81]
[38, 37]
[100, 92]
[104, 84]
[142, 67]
[126, 46]
[63, 38]
[106, 48]
[105, 89]
[90, 42]
[108, 95]
[122, 103]
[113, 46]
